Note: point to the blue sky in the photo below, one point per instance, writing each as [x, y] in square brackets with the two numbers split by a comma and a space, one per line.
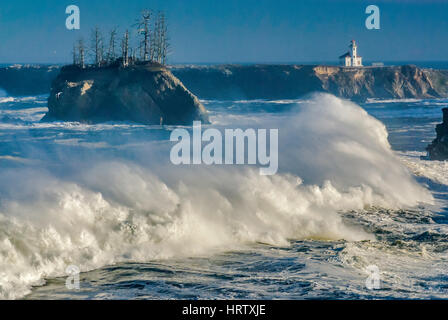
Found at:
[236, 30]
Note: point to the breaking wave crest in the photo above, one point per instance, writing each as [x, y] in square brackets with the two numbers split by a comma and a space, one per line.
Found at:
[334, 157]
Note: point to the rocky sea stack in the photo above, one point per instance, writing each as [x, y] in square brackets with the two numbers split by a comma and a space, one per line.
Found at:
[145, 93]
[438, 149]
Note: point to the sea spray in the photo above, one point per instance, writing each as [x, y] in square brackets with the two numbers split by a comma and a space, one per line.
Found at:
[332, 139]
[333, 157]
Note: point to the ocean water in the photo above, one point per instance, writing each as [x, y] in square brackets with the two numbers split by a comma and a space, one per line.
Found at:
[352, 193]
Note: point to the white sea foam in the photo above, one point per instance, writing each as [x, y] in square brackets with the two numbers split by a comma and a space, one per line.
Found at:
[335, 157]
[433, 170]
[414, 264]
[37, 99]
[380, 101]
[6, 99]
[29, 114]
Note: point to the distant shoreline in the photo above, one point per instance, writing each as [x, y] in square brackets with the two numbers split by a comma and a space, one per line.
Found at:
[441, 65]
[267, 81]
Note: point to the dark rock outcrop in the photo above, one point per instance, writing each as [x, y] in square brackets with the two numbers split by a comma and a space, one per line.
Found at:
[438, 149]
[146, 93]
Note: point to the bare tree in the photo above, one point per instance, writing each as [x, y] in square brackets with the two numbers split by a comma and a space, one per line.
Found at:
[160, 47]
[152, 43]
[125, 49]
[75, 57]
[155, 44]
[144, 29]
[111, 55]
[97, 46]
[134, 55]
[163, 46]
[142, 52]
[81, 53]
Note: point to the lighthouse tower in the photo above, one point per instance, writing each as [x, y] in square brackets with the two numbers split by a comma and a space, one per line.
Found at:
[351, 59]
[356, 61]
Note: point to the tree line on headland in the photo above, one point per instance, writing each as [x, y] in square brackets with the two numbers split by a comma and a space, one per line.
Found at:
[153, 44]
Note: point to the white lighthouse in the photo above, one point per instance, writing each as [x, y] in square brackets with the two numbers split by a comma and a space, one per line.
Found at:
[351, 59]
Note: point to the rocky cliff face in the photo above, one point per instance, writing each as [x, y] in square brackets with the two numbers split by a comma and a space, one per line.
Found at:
[386, 82]
[147, 94]
[293, 81]
[438, 149]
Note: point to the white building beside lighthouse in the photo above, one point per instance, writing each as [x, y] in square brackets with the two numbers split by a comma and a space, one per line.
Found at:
[351, 58]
